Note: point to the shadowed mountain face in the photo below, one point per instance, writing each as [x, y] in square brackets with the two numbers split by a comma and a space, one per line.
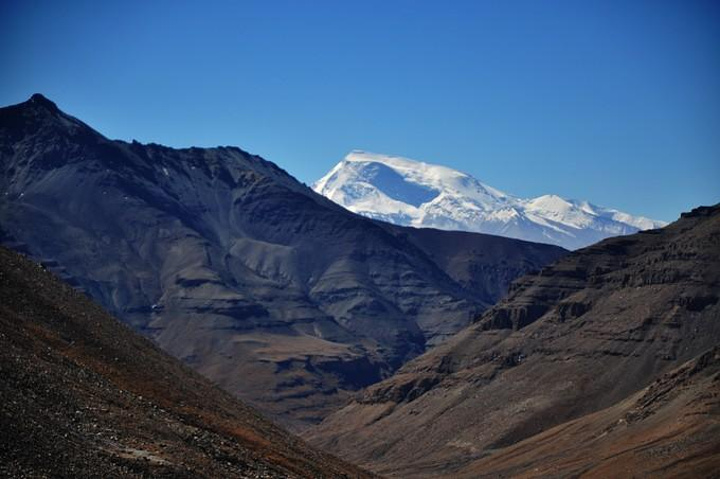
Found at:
[228, 263]
[83, 396]
[583, 335]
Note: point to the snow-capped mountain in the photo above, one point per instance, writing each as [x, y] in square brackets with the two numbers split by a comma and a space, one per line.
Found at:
[408, 192]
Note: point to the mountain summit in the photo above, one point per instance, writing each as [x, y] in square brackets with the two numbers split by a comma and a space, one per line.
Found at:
[412, 193]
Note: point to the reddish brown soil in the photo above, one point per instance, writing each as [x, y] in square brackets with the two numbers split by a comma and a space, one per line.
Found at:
[81, 395]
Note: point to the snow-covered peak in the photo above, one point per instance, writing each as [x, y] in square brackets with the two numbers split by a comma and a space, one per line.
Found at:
[414, 193]
[419, 170]
[403, 179]
[550, 203]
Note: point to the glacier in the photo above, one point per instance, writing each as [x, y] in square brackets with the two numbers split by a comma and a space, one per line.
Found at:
[413, 193]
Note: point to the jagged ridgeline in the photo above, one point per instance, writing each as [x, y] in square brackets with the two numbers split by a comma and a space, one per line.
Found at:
[272, 291]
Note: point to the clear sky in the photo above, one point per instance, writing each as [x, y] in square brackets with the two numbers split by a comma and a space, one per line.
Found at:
[616, 102]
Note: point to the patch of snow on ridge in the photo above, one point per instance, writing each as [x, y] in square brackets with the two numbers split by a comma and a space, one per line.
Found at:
[414, 193]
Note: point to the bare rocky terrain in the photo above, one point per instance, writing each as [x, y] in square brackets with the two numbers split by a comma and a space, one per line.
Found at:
[603, 364]
[270, 290]
[551, 381]
[669, 429]
[83, 396]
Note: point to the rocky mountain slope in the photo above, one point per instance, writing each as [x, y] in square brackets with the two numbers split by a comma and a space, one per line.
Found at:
[83, 396]
[583, 335]
[272, 291]
[413, 193]
[669, 429]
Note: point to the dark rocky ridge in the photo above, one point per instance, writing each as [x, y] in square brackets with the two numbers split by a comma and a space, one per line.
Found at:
[82, 396]
[230, 264]
[580, 336]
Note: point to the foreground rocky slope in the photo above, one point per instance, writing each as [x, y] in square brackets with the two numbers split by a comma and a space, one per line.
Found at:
[83, 396]
[583, 335]
[230, 264]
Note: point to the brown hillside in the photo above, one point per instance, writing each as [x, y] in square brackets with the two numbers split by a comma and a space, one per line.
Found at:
[83, 396]
[584, 334]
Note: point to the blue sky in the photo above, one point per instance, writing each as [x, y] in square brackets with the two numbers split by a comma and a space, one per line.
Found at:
[617, 102]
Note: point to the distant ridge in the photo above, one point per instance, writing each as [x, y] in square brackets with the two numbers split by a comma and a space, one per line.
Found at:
[413, 193]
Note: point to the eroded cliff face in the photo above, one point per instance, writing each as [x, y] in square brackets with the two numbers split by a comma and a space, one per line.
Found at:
[228, 263]
[579, 336]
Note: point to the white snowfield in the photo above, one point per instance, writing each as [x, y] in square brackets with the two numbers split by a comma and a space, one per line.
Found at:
[412, 193]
